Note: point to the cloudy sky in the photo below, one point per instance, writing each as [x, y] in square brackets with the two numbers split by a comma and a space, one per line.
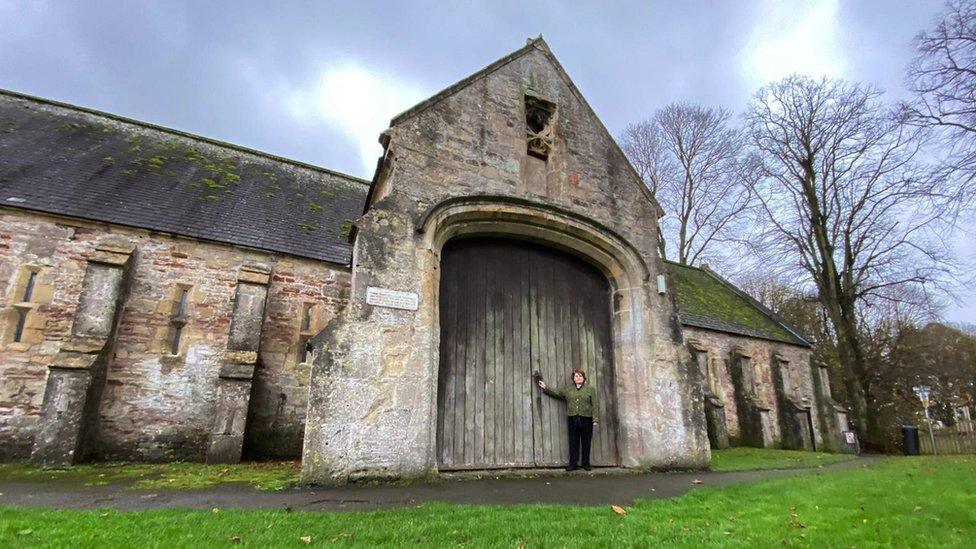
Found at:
[318, 81]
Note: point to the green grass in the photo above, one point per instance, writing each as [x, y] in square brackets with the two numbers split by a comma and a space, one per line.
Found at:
[746, 459]
[154, 476]
[280, 475]
[917, 502]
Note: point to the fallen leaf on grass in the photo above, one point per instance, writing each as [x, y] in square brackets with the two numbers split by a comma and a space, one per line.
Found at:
[215, 510]
[306, 539]
[235, 539]
[618, 509]
[918, 508]
[697, 481]
[25, 532]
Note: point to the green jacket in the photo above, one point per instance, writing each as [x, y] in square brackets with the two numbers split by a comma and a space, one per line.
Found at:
[579, 402]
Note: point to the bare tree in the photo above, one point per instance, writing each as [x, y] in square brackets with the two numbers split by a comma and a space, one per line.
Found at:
[845, 204]
[943, 79]
[690, 157]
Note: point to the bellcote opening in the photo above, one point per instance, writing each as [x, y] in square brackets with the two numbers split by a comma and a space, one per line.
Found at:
[539, 118]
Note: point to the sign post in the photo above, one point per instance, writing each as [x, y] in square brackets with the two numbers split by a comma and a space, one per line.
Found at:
[923, 392]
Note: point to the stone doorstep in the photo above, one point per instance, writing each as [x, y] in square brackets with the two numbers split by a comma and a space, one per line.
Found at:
[478, 474]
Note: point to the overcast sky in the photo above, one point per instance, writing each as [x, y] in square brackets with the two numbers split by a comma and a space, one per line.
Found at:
[318, 81]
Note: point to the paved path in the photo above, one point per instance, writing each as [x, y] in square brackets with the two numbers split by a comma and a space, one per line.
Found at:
[577, 489]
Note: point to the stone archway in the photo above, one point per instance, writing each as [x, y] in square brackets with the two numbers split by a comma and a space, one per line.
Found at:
[373, 396]
[624, 269]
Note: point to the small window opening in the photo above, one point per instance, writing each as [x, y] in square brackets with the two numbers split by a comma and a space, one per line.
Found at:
[29, 290]
[305, 355]
[305, 334]
[177, 335]
[22, 313]
[179, 322]
[21, 323]
[539, 117]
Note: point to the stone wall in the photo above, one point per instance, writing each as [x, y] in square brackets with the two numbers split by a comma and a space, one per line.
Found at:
[780, 374]
[157, 405]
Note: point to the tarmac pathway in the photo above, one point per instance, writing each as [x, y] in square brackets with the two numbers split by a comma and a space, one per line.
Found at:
[574, 489]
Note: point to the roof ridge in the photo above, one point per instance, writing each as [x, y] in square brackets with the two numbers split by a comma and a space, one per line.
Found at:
[464, 82]
[755, 303]
[180, 133]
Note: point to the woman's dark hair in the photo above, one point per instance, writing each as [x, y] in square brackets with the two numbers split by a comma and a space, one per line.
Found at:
[580, 372]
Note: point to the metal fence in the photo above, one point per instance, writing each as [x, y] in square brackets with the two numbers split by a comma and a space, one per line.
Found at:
[958, 439]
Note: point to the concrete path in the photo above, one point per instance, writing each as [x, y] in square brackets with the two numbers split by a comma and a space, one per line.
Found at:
[574, 489]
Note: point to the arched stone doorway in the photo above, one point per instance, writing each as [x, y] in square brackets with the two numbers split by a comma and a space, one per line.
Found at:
[509, 308]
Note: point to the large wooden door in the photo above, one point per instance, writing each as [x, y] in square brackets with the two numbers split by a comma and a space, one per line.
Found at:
[509, 308]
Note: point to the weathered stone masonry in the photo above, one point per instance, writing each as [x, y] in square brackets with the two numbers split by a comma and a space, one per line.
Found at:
[156, 405]
[761, 387]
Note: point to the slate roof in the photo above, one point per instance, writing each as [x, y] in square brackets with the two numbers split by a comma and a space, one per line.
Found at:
[76, 162]
[707, 301]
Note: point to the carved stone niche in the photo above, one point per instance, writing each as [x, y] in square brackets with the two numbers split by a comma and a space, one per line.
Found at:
[540, 118]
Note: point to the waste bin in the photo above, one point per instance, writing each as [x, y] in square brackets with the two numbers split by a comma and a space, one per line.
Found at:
[909, 440]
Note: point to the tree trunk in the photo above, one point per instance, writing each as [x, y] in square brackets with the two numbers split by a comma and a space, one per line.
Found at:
[851, 355]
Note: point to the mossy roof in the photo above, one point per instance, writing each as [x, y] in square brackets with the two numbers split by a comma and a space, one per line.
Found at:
[71, 161]
[707, 301]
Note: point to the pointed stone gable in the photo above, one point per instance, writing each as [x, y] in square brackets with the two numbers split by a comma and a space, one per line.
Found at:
[489, 93]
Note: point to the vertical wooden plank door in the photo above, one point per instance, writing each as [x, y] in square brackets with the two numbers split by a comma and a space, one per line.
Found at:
[509, 308]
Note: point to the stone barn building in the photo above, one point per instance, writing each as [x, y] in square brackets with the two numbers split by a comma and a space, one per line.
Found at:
[167, 296]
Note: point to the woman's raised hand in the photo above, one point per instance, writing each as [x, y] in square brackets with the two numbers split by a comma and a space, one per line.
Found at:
[542, 384]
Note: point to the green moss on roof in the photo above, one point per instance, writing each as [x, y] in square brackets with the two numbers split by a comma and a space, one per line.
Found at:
[705, 301]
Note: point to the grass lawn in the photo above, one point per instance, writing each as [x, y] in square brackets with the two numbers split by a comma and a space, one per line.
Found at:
[928, 501]
[745, 459]
[154, 476]
[279, 475]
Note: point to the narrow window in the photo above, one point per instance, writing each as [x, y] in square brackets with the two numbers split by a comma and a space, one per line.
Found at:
[306, 351]
[305, 334]
[179, 321]
[21, 322]
[539, 115]
[22, 313]
[29, 290]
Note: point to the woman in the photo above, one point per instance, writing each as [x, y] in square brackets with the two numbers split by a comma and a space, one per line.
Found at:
[582, 409]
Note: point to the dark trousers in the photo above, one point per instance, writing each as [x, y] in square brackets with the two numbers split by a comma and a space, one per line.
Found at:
[580, 435]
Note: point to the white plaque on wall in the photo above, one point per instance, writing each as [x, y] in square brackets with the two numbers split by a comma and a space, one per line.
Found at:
[381, 297]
